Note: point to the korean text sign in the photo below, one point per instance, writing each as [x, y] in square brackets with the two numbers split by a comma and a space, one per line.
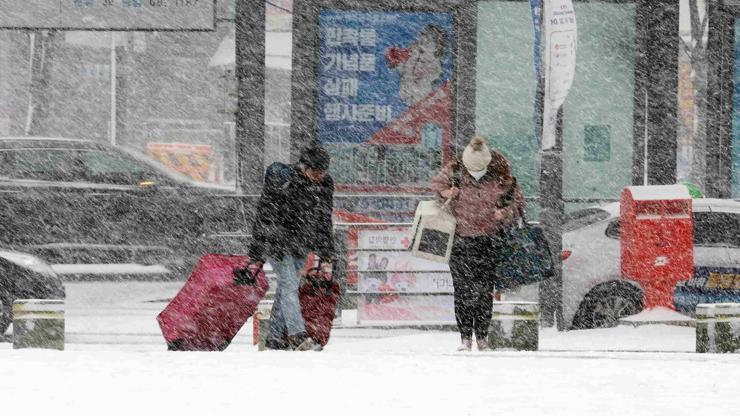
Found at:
[384, 95]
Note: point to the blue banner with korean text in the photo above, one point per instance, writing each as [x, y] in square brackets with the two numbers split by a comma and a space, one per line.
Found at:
[385, 104]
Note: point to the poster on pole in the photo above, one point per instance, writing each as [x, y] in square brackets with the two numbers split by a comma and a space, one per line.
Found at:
[561, 40]
[385, 97]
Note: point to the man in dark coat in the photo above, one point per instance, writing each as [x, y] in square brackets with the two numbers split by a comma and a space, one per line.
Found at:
[293, 218]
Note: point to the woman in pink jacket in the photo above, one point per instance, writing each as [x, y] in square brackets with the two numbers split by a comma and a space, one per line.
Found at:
[486, 201]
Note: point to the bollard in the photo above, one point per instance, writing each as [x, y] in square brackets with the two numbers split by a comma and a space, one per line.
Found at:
[514, 325]
[38, 323]
[261, 325]
[718, 327]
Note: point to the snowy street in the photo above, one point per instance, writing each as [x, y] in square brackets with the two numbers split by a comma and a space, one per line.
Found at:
[115, 362]
[406, 199]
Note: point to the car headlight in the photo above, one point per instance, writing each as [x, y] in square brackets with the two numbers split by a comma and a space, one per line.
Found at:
[28, 261]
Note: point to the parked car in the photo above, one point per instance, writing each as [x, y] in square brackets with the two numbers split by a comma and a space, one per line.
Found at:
[594, 292]
[81, 202]
[24, 276]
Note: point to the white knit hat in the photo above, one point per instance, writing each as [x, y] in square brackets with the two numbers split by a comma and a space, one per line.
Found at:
[476, 155]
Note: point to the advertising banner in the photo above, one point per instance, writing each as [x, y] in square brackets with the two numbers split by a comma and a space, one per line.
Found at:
[709, 285]
[561, 39]
[194, 160]
[385, 107]
[177, 15]
[397, 287]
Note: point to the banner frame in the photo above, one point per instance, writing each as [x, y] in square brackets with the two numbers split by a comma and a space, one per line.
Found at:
[305, 73]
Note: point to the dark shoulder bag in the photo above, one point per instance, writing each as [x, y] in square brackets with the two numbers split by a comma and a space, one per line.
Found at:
[525, 253]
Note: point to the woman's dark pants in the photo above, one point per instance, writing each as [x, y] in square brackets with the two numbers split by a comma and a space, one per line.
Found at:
[472, 264]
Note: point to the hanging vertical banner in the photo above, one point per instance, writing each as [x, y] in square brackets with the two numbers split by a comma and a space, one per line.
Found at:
[561, 39]
[385, 107]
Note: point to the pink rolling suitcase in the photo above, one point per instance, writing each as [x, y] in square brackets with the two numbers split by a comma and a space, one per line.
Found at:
[211, 307]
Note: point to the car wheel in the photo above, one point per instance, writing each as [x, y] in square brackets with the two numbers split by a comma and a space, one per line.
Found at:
[604, 306]
[6, 316]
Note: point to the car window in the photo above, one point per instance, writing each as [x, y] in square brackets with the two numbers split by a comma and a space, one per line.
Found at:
[111, 168]
[40, 164]
[613, 230]
[716, 229]
[583, 217]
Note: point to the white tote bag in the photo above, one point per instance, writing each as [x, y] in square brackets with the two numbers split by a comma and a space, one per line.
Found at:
[433, 231]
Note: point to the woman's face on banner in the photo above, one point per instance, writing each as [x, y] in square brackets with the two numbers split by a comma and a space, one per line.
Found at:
[420, 70]
[426, 67]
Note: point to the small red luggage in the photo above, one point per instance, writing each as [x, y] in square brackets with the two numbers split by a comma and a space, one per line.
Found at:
[318, 299]
[211, 307]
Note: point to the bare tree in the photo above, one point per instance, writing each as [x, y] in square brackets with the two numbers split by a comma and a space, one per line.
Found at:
[696, 50]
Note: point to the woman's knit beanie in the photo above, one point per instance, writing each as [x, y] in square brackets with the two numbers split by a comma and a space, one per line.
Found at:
[476, 155]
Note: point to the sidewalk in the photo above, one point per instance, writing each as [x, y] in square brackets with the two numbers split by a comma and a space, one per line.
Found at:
[118, 315]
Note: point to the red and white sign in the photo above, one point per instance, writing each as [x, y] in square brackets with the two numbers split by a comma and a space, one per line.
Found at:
[396, 287]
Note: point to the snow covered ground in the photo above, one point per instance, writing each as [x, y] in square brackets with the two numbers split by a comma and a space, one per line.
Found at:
[116, 363]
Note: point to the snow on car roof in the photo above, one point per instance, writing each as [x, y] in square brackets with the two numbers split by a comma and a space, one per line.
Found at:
[33, 138]
[656, 192]
[698, 204]
[612, 208]
[724, 205]
[47, 142]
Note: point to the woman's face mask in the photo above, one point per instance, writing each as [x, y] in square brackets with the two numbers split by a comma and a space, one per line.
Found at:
[477, 174]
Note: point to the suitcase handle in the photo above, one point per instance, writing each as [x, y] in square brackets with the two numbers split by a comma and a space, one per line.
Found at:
[323, 285]
[242, 277]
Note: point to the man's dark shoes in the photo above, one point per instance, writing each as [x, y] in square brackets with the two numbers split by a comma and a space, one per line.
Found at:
[301, 342]
[276, 344]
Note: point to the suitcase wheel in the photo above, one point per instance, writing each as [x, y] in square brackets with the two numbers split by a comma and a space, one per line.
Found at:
[243, 278]
[175, 345]
[224, 345]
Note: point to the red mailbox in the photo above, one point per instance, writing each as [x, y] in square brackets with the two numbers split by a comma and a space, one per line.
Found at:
[657, 240]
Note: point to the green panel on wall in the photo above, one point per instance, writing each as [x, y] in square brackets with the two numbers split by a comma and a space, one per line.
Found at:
[596, 143]
[602, 95]
[505, 86]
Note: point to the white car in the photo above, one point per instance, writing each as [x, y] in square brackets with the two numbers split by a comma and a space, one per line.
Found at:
[596, 295]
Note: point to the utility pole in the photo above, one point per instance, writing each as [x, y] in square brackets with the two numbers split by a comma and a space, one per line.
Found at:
[250, 78]
[113, 82]
[551, 217]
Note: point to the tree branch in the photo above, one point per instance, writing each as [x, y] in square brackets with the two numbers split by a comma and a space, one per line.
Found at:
[687, 49]
[696, 29]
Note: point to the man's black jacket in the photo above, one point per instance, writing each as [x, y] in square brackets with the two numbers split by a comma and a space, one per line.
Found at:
[293, 215]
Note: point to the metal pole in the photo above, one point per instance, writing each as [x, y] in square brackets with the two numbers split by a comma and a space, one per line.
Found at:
[250, 77]
[113, 76]
[551, 217]
[645, 142]
[552, 209]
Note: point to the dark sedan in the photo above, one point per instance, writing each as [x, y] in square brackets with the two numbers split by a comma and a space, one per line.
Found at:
[81, 202]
